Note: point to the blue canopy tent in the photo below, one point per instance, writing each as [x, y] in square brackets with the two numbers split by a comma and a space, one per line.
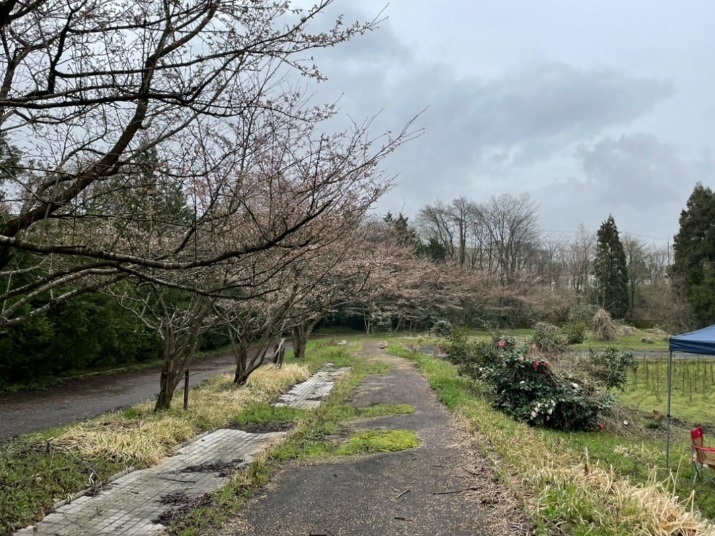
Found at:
[701, 342]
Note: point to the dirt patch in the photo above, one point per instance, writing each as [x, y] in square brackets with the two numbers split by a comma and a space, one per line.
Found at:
[184, 504]
[223, 469]
[264, 427]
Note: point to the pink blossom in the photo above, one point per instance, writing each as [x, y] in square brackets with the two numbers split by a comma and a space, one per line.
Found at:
[600, 425]
[502, 344]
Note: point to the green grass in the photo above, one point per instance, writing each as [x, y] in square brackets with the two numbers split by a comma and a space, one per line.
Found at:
[564, 477]
[265, 413]
[633, 341]
[34, 474]
[692, 398]
[371, 441]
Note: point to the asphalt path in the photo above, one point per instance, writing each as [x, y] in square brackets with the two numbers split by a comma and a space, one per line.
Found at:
[80, 399]
[444, 487]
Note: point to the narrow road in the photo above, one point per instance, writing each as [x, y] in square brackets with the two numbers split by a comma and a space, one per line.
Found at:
[444, 487]
[22, 413]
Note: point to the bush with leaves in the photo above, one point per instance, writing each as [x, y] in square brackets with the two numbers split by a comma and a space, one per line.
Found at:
[441, 328]
[574, 332]
[525, 387]
[547, 338]
[380, 321]
[470, 356]
[611, 366]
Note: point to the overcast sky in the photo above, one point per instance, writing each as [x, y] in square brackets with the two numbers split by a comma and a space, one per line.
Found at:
[591, 107]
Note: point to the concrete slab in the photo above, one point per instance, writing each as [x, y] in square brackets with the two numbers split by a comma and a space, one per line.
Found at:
[310, 393]
[132, 504]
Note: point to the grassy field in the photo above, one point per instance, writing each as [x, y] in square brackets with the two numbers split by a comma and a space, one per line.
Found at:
[692, 395]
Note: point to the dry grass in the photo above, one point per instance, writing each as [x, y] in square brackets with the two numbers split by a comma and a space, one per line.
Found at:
[648, 509]
[575, 490]
[602, 326]
[141, 437]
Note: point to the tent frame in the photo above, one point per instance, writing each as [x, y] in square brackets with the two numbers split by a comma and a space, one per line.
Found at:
[701, 342]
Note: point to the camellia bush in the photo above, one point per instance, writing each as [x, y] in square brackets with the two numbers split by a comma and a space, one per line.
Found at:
[525, 385]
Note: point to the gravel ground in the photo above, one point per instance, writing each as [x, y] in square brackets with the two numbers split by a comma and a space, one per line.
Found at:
[443, 487]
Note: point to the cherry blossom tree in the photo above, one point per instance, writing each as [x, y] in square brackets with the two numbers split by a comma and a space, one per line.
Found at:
[127, 102]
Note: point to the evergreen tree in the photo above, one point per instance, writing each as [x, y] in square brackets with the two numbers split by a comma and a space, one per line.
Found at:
[694, 248]
[406, 235]
[610, 270]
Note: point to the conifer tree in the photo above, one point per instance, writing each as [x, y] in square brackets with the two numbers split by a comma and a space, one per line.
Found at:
[610, 270]
[693, 268]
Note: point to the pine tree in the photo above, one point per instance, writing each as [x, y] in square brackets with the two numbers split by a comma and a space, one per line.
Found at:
[610, 270]
[693, 267]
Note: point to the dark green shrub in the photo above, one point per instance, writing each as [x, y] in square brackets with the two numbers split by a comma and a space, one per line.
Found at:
[441, 328]
[547, 338]
[574, 332]
[380, 321]
[611, 366]
[526, 388]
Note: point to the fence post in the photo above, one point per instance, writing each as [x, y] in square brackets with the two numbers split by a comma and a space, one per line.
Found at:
[186, 389]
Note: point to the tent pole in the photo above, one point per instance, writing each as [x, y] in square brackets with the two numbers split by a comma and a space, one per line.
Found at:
[667, 441]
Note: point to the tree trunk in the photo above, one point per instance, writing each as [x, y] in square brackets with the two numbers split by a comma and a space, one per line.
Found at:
[300, 340]
[166, 392]
[245, 364]
[178, 353]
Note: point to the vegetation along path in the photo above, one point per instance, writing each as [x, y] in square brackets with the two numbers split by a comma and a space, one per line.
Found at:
[441, 487]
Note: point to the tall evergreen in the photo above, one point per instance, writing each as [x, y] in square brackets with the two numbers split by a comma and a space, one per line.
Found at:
[610, 270]
[693, 267]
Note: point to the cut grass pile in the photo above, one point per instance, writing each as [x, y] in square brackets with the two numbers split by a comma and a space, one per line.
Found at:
[566, 491]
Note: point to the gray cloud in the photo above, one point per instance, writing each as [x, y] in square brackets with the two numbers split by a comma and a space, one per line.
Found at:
[583, 138]
[638, 178]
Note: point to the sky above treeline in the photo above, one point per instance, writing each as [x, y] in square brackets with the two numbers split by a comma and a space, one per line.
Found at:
[592, 108]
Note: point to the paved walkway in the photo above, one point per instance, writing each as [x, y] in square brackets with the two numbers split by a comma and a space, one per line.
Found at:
[132, 505]
[443, 487]
[310, 393]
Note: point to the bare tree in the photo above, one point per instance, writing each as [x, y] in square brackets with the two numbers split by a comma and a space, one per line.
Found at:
[512, 225]
[200, 89]
[580, 259]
